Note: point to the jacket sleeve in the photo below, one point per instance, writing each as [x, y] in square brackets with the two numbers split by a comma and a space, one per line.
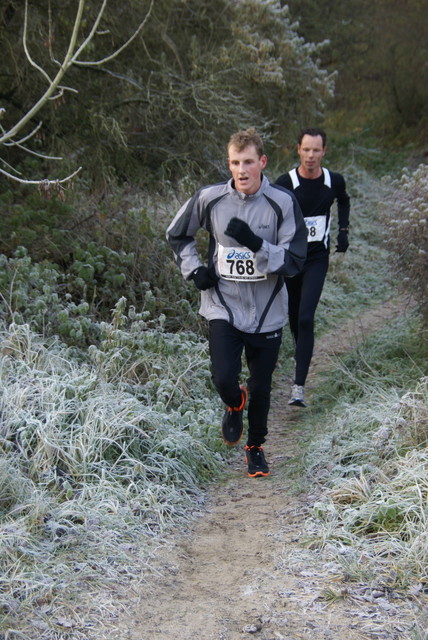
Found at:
[288, 256]
[343, 203]
[181, 235]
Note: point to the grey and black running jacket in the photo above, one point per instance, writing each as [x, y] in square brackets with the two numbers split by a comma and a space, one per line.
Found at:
[272, 213]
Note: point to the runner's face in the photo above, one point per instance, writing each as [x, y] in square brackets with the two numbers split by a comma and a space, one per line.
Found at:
[246, 167]
[311, 152]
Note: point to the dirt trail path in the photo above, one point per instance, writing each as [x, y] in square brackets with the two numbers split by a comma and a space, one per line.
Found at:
[240, 570]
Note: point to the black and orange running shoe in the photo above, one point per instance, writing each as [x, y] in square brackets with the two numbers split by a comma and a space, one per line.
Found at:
[232, 425]
[255, 458]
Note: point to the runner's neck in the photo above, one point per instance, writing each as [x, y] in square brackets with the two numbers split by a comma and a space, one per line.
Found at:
[309, 175]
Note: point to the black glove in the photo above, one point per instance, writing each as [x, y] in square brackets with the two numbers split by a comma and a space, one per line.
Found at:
[342, 242]
[204, 278]
[240, 231]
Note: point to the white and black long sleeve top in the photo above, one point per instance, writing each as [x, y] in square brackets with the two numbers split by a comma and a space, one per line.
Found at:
[316, 197]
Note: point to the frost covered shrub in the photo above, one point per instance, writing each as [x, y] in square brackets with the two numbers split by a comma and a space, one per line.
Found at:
[36, 293]
[406, 231]
[73, 304]
[92, 255]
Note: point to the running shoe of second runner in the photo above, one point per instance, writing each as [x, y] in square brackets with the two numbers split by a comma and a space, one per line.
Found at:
[257, 465]
[232, 425]
[297, 396]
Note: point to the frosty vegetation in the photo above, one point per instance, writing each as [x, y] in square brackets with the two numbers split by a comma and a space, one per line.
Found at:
[109, 432]
[406, 221]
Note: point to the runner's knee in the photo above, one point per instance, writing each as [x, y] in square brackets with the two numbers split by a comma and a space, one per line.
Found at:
[306, 322]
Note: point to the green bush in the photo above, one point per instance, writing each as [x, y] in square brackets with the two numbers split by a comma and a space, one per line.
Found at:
[47, 226]
[36, 293]
[56, 257]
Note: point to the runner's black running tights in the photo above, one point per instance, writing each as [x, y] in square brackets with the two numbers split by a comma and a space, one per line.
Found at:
[304, 292]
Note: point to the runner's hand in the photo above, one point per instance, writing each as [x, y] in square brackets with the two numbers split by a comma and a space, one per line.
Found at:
[204, 278]
[342, 242]
[240, 231]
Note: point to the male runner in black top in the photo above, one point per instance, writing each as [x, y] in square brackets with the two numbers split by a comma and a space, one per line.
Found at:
[316, 189]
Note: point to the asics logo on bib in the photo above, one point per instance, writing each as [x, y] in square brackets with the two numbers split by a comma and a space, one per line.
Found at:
[239, 255]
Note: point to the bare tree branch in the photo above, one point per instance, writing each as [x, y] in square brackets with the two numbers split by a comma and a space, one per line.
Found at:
[53, 84]
[118, 51]
[55, 89]
[38, 182]
[25, 138]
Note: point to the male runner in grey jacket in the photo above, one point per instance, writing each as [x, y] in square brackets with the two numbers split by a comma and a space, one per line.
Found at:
[257, 236]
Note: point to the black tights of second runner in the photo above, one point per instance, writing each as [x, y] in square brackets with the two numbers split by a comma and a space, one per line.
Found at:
[304, 292]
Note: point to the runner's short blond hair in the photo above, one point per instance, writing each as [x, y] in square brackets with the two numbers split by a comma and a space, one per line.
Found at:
[242, 139]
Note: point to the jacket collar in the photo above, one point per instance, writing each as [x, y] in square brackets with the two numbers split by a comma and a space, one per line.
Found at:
[245, 197]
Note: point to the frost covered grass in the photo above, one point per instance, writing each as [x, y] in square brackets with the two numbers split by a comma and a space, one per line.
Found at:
[361, 274]
[101, 452]
[370, 461]
[406, 233]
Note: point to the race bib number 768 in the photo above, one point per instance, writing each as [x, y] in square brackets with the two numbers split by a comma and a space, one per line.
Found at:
[238, 264]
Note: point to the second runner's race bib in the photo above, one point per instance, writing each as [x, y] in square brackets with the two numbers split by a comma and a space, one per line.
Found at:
[238, 264]
[316, 228]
